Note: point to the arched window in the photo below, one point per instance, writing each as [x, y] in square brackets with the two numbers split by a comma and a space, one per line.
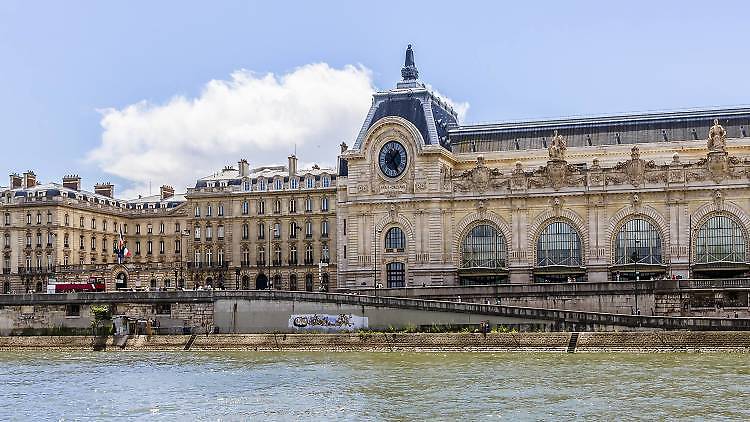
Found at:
[720, 239]
[484, 247]
[558, 244]
[395, 274]
[277, 282]
[395, 241]
[308, 282]
[638, 241]
[324, 282]
[293, 282]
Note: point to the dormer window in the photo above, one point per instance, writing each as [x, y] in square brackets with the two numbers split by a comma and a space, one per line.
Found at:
[294, 183]
[262, 184]
[246, 186]
[278, 184]
[309, 182]
[326, 181]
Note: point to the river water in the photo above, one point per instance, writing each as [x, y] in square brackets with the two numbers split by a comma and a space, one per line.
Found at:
[372, 386]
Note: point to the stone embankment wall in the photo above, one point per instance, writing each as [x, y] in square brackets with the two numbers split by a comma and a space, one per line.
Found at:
[631, 342]
[76, 318]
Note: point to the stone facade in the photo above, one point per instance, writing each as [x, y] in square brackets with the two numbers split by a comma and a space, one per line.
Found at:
[268, 227]
[593, 199]
[241, 228]
[64, 232]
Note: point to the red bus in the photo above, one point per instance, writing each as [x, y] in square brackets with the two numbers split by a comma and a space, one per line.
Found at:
[94, 284]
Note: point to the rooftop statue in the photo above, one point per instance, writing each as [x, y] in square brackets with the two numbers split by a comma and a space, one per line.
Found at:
[717, 138]
[409, 71]
[557, 148]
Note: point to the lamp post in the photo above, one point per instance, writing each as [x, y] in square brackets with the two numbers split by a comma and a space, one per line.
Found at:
[183, 233]
[376, 232]
[635, 258]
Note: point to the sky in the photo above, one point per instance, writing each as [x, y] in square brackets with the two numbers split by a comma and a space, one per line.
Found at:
[144, 93]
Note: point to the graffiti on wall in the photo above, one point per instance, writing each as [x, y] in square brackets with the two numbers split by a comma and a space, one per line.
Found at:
[324, 322]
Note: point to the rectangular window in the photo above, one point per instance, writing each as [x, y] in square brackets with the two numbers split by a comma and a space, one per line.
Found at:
[220, 232]
[177, 246]
[163, 308]
[72, 310]
[261, 207]
[149, 228]
[161, 228]
[276, 230]
[176, 227]
[197, 210]
[137, 229]
[138, 247]
[161, 247]
[209, 233]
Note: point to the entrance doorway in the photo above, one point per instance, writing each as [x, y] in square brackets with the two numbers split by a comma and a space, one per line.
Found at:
[261, 282]
[121, 281]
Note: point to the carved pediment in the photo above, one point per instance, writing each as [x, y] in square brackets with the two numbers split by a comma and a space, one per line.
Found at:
[479, 178]
[556, 174]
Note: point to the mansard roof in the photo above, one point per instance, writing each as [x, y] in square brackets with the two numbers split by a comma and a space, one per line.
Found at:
[412, 101]
[659, 127]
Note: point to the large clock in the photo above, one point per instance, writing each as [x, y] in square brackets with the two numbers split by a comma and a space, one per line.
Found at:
[392, 159]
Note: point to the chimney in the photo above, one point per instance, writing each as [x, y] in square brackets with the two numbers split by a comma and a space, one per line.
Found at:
[16, 182]
[72, 181]
[105, 189]
[292, 165]
[166, 191]
[243, 167]
[29, 179]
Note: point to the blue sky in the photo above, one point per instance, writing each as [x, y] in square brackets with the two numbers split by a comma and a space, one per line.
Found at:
[64, 64]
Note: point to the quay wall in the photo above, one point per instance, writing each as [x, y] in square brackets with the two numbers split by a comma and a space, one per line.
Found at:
[265, 311]
[560, 342]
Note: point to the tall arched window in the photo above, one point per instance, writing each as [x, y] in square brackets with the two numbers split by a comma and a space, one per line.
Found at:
[308, 282]
[484, 247]
[292, 281]
[558, 244]
[720, 239]
[395, 241]
[638, 241]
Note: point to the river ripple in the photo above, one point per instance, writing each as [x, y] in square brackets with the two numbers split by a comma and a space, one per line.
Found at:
[373, 386]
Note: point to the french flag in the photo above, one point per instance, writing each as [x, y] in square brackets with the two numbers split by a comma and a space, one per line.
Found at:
[122, 250]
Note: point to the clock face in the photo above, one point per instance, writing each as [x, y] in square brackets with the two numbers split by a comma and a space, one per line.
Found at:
[392, 159]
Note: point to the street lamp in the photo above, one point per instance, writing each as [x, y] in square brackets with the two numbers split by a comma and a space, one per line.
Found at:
[635, 258]
[376, 232]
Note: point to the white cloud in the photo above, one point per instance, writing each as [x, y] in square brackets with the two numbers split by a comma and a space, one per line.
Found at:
[258, 117]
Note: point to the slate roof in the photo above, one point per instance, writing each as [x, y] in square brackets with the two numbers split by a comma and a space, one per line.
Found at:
[600, 131]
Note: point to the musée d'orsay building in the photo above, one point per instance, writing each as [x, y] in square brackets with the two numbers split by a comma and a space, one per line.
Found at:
[424, 200]
[419, 200]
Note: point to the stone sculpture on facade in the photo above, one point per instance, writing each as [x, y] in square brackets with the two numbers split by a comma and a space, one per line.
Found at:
[480, 178]
[717, 138]
[557, 148]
